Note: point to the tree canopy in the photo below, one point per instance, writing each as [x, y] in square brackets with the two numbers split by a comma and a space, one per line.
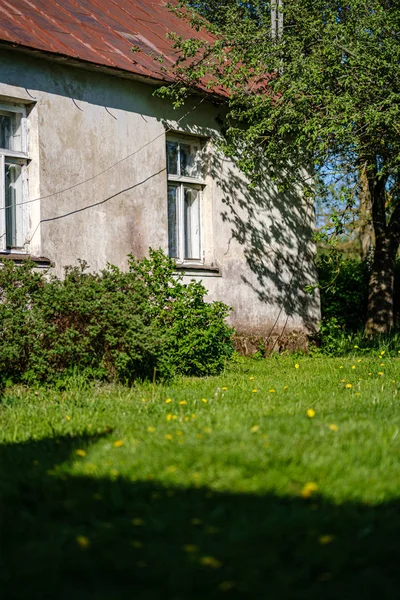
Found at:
[316, 101]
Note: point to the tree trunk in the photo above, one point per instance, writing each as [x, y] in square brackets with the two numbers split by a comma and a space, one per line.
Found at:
[365, 219]
[380, 313]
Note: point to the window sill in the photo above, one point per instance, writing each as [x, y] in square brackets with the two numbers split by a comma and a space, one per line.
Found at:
[19, 258]
[198, 270]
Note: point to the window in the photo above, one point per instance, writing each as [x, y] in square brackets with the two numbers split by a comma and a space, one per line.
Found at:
[185, 190]
[13, 163]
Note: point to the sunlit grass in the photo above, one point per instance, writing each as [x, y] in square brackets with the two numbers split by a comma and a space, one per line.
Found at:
[289, 450]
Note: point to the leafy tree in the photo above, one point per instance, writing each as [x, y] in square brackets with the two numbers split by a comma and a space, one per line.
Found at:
[316, 101]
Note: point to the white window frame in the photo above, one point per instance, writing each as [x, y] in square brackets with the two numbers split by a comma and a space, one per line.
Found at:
[20, 157]
[181, 182]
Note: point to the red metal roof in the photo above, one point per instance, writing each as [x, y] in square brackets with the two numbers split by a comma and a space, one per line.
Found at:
[101, 32]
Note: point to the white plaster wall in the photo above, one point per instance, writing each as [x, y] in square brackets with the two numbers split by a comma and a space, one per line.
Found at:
[97, 148]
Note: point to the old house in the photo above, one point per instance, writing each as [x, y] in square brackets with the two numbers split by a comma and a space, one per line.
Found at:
[93, 166]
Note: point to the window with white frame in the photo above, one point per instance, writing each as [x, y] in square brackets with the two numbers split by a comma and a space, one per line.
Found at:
[13, 178]
[185, 191]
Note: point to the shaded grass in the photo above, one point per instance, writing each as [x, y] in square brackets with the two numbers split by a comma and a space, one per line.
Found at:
[105, 494]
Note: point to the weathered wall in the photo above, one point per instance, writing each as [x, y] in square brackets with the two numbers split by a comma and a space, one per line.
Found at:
[97, 144]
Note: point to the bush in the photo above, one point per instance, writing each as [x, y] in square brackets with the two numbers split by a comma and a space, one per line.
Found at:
[112, 325]
[344, 299]
[344, 290]
[197, 339]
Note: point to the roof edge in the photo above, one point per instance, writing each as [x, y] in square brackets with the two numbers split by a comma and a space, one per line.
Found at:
[79, 63]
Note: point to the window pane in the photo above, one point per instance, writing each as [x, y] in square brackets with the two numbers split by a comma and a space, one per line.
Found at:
[13, 198]
[190, 160]
[6, 123]
[192, 223]
[172, 221]
[172, 158]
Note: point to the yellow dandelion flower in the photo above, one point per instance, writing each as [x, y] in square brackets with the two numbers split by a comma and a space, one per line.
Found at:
[151, 429]
[210, 561]
[142, 564]
[254, 391]
[353, 366]
[356, 347]
[179, 432]
[285, 387]
[380, 373]
[211, 530]
[348, 385]
[341, 367]
[358, 394]
[67, 418]
[333, 427]
[254, 428]
[174, 417]
[225, 586]
[137, 522]
[190, 548]
[224, 389]
[296, 366]
[204, 400]
[359, 360]
[183, 402]
[309, 489]
[326, 539]
[80, 453]
[382, 365]
[325, 577]
[193, 416]
[382, 352]
[118, 443]
[83, 542]
[272, 390]
[252, 378]
[144, 400]
[393, 381]
[168, 436]
[169, 417]
[311, 413]
[369, 373]
[207, 429]
[168, 401]
[114, 472]
[186, 419]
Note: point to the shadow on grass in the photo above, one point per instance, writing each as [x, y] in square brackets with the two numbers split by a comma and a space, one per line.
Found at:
[153, 542]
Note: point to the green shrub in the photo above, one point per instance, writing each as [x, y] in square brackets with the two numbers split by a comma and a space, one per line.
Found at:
[112, 325]
[344, 290]
[344, 299]
[197, 339]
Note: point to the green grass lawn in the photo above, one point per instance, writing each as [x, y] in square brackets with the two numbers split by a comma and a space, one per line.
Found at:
[223, 487]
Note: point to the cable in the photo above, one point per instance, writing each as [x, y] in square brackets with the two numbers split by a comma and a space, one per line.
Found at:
[296, 266]
[78, 210]
[75, 185]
